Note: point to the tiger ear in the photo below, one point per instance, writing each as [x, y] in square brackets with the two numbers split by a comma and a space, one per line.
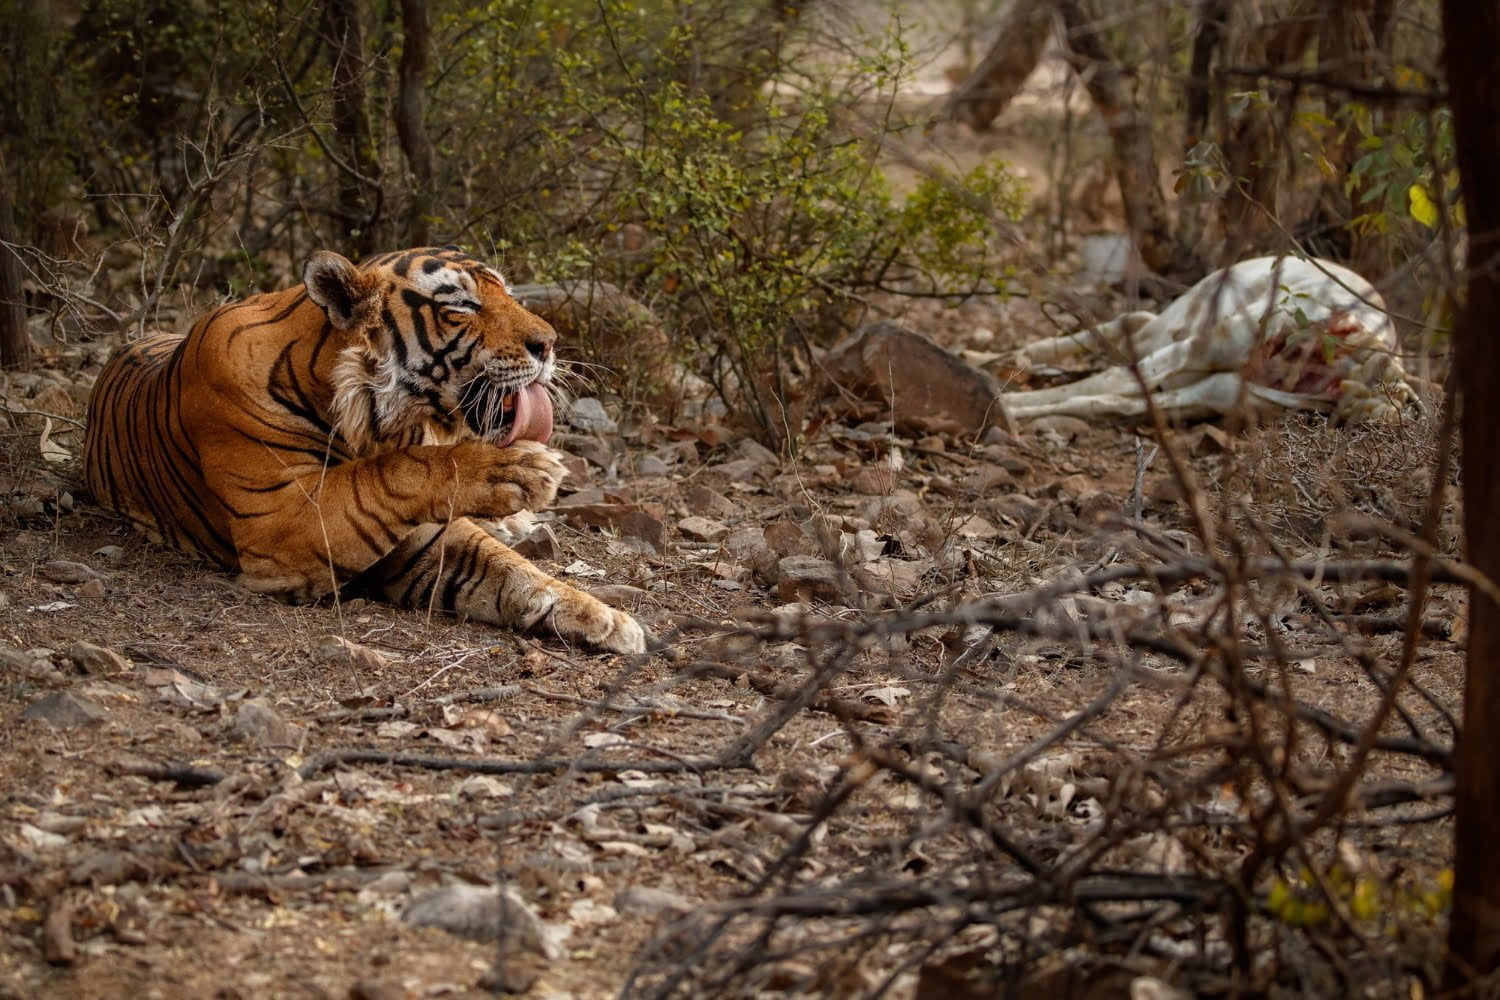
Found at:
[338, 288]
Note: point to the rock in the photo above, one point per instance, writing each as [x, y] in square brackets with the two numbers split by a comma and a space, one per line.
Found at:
[976, 527]
[724, 571]
[108, 553]
[862, 545]
[744, 542]
[27, 664]
[752, 450]
[1071, 487]
[1021, 511]
[579, 475]
[1096, 505]
[872, 480]
[651, 467]
[703, 529]
[712, 435]
[595, 450]
[337, 649]
[925, 388]
[93, 589]
[641, 522]
[748, 546]
[898, 577]
[989, 478]
[648, 900]
[786, 538]
[587, 415]
[260, 726]
[92, 659]
[808, 578]
[741, 470]
[678, 452]
[1059, 429]
[65, 571]
[705, 502]
[483, 913]
[541, 543]
[893, 510]
[65, 710]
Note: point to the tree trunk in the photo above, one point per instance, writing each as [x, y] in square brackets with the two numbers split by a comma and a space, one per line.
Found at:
[15, 342]
[358, 185]
[410, 129]
[1130, 134]
[1020, 37]
[1254, 146]
[734, 84]
[1212, 18]
[1470, 31]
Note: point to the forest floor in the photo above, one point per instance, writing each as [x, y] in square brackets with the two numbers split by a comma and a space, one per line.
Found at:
[174, 830]
[221, 795]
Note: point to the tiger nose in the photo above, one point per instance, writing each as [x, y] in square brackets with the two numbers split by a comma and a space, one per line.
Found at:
[539, 342]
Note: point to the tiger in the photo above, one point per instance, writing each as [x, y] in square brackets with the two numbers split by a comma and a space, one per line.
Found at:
[353, 436]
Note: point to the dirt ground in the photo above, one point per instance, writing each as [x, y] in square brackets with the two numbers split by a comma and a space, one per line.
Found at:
[220, 795]
[185, 838]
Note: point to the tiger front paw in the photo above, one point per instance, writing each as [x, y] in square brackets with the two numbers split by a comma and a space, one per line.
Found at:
[521, 476]
[587, 619]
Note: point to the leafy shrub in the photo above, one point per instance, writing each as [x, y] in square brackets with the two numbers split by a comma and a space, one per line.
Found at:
[757, 212]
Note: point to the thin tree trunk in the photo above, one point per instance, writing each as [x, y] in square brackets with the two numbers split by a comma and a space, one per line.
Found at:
[1253, 146]
[1470, 31]
[410, 129]
[1130, 134]
[1212, 15]
[15, 342]
[1020, 37]
[733, 86]
[359, 188]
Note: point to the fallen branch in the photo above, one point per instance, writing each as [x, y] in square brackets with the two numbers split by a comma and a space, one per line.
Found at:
[489, 765]
[184, 775]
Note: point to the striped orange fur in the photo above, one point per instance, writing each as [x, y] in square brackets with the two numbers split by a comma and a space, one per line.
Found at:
[345, 435]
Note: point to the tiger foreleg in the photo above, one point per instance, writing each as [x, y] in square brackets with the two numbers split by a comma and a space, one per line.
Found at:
[461, 569]
[322, 528]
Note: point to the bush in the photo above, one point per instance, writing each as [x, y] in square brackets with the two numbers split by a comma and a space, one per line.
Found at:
[684, 161]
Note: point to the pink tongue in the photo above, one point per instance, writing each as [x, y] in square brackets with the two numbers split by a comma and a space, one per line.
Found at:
[533, 417]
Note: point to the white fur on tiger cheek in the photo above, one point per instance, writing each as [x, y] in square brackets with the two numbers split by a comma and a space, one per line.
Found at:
[357, 393]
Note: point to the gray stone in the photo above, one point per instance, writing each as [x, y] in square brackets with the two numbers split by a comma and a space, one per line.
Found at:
[588, 415]
[260, 726]
[650, 901]
[807, 578]
[92, 659]
[65, 710]
[482, 913]
[709, 503]
[926, 388]
[66, 571]
[703, 529]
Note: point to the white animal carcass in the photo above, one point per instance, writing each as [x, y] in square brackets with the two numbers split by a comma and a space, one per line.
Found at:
[1285, 331]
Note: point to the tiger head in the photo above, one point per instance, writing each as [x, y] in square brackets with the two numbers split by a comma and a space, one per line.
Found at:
[437, 350]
